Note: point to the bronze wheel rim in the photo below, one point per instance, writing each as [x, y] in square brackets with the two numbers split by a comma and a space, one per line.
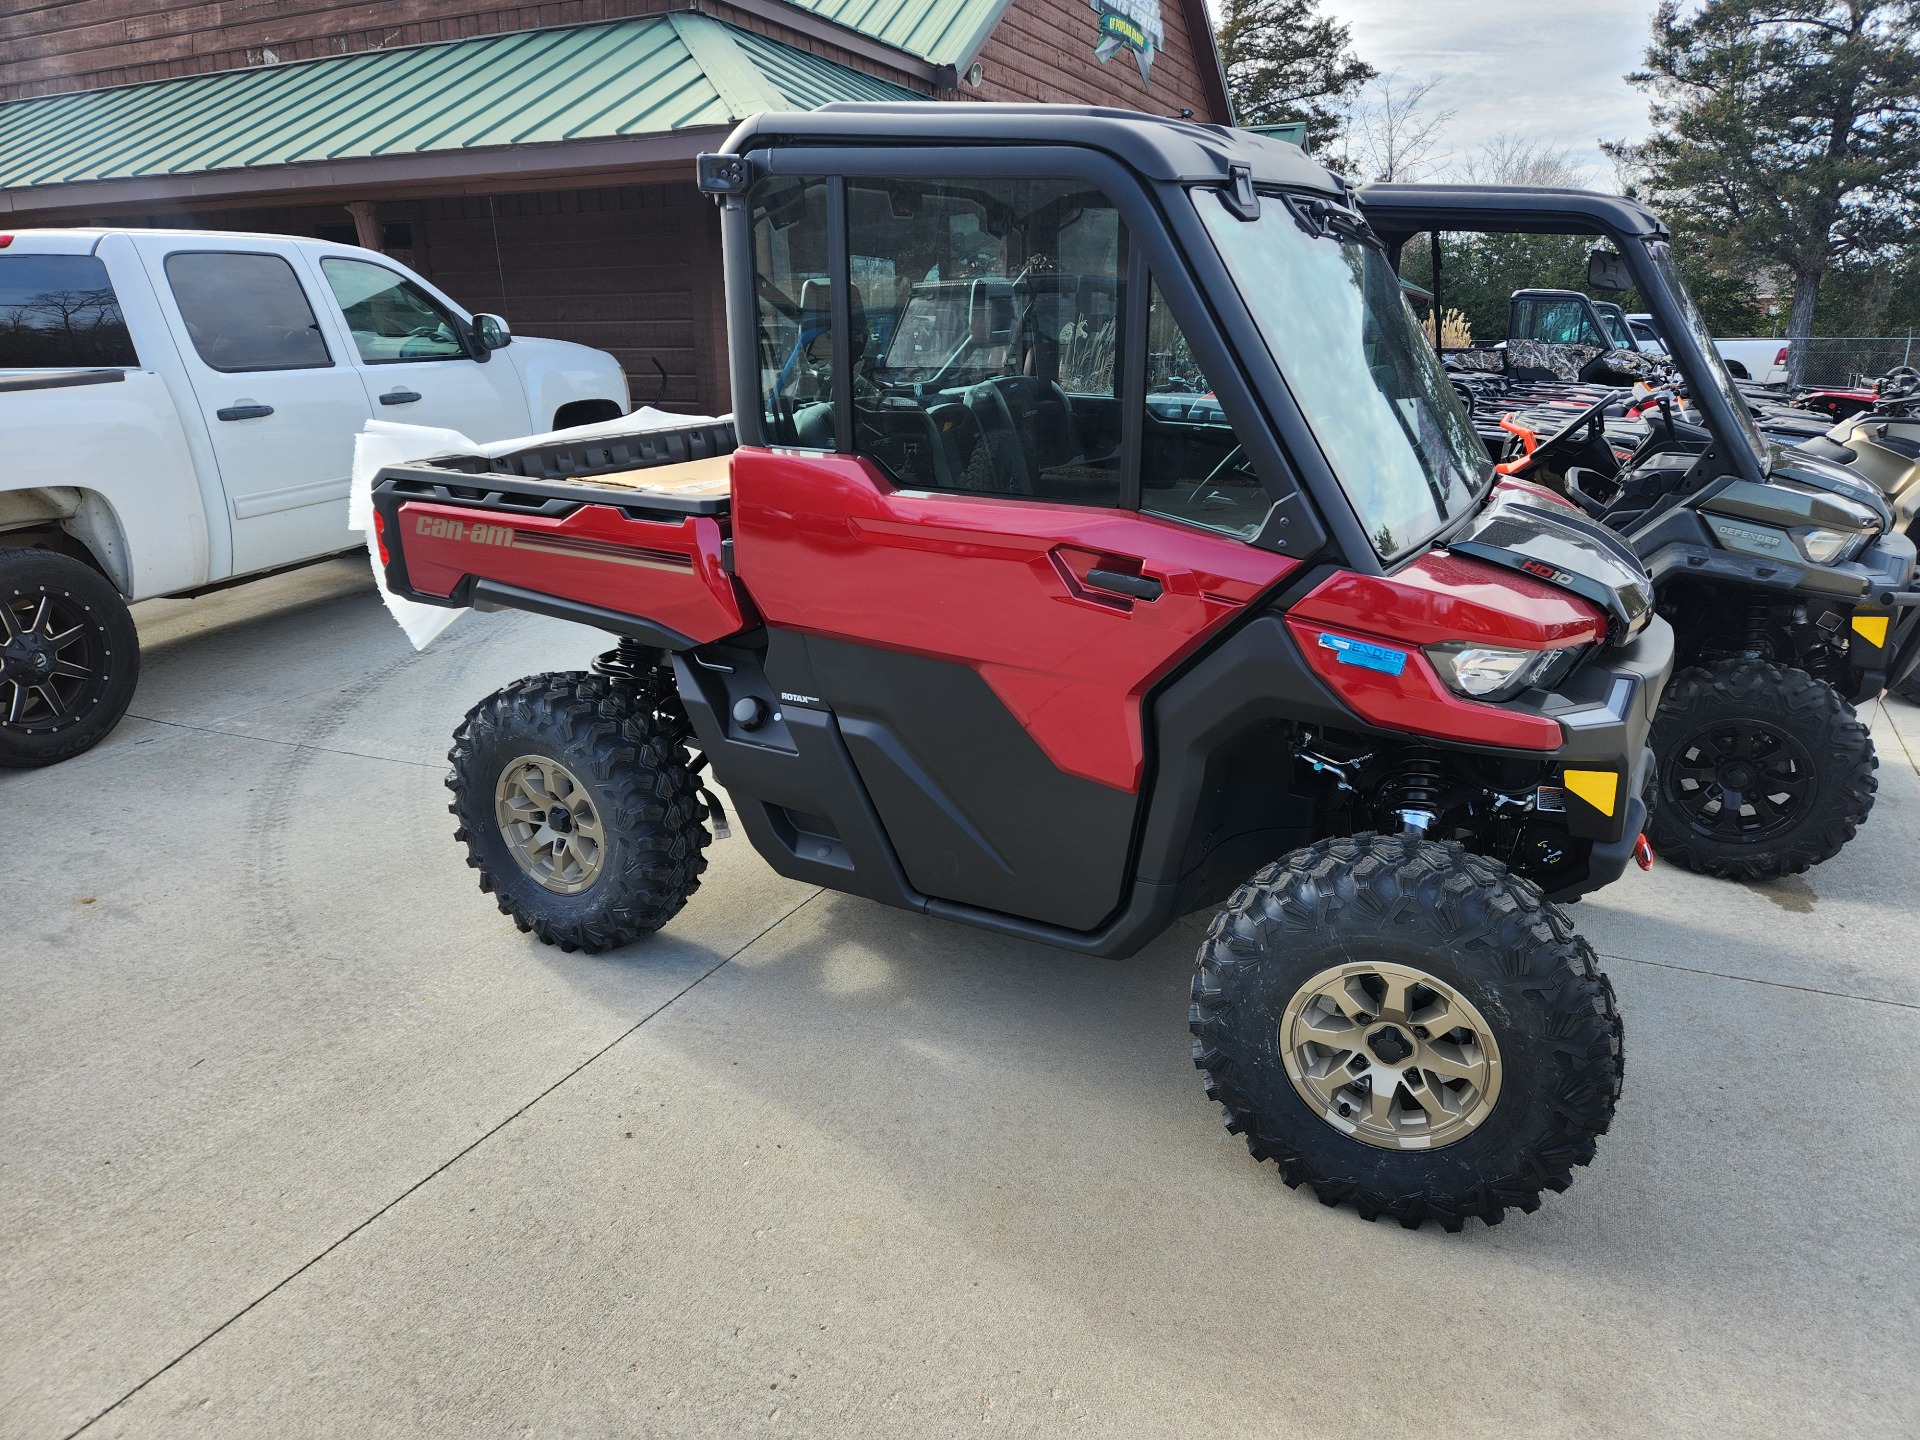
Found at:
[1391, 1055]
[550, 824]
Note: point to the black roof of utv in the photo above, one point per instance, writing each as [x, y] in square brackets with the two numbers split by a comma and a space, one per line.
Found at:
[1154, 147]
[1397, 211]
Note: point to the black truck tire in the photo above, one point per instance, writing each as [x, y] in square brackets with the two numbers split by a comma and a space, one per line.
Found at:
[1364, 915]
[617, 850]
[1909, 689]
[69, 658]
[1724, 728]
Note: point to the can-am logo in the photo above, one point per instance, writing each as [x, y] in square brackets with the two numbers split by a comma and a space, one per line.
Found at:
[444, 529]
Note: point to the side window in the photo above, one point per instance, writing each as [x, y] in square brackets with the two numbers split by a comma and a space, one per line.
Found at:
[246, 311]
[1192, 468]
[791, 312]
[1565, 322]
[392, 319]
[985, 335]
[60, 310]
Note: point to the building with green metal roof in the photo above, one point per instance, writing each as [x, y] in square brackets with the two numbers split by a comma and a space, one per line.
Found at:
[544, 173]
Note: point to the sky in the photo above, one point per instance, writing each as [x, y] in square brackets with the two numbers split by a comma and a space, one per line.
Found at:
[1546, 69]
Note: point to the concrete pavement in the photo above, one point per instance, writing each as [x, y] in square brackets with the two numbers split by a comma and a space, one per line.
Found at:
[298, 1136]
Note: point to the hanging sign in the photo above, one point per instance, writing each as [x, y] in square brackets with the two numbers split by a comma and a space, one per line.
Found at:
[1129, 25]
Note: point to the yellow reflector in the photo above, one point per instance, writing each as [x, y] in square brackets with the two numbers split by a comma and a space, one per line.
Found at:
[1599, 788]
[1872, 628]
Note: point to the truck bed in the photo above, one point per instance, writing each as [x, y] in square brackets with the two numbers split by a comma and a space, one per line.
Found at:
[628, 533]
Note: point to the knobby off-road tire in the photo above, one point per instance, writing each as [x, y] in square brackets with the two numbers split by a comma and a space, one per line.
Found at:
[1909, 689]
[69, 658]
[616, 773]
[1799, 758]
[1483, 934]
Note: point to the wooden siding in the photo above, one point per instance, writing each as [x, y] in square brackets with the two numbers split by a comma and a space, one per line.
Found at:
[1042, 50]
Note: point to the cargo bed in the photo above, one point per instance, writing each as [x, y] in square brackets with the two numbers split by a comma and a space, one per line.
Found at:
[628, 533]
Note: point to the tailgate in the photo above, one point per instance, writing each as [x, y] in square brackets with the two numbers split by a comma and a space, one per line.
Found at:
[627, 534]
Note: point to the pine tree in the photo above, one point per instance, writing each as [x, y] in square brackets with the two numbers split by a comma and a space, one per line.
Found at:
[1287, 62]
[1788, 132]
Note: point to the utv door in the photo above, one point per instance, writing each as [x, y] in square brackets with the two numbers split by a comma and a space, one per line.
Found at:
[996, 501]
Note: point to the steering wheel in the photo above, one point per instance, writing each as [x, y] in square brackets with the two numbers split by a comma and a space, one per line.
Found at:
[1592, 416]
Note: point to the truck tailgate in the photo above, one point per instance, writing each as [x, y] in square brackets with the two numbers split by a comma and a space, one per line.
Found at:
[632, 538]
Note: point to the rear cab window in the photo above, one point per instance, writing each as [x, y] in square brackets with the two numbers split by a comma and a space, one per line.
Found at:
[60, 312]
[246, 310]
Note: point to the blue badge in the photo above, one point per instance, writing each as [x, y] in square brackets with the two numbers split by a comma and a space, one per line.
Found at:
[1385, 659]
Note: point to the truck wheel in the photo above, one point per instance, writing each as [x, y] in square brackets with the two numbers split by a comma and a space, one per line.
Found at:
[579, 811]
[1761, 771]
[69, 657]
[1407, 1027]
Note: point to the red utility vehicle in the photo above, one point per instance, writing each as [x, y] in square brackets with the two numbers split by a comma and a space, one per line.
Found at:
[1099, 540]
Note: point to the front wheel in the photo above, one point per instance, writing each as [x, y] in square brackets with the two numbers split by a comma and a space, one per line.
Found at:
[1406, 1027]
[69, 658]
[578, 808]
[1760, 771]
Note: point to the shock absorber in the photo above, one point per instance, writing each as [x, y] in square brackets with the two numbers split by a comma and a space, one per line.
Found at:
[1411, 794]
[1758, 614]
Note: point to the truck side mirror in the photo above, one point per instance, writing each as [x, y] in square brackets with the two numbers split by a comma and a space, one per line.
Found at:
[491, 333]
[1607, 271]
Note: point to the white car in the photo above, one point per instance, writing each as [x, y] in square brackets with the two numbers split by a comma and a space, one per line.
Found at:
[180, 409]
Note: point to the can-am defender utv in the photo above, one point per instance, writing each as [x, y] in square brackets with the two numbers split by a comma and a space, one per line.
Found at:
[1786, 580]
[1102, 541]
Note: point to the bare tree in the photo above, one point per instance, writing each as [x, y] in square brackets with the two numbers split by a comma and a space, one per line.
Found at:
[1391, 132]
[1509, 159]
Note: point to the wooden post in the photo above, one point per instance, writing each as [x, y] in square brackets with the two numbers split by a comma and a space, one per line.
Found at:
[366, 227]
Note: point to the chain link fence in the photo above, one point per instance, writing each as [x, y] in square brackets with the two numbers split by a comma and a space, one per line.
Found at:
[1852, 359]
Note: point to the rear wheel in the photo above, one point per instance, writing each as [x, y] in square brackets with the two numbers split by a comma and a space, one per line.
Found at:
[578, 808]
[69, 657]
[1761, 771]
[1406, 1027]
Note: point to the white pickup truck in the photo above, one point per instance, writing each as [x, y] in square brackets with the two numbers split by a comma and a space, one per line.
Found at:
[179, 411]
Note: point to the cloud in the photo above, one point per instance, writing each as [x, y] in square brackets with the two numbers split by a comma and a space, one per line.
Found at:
[1549, 72]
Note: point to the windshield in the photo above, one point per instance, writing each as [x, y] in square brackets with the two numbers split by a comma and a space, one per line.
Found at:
[1616, 322]
[1716, 374]
[1362, 372]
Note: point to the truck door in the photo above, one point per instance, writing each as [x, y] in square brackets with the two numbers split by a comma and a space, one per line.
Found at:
[411, 353]
[1011, 526]
[281, 407]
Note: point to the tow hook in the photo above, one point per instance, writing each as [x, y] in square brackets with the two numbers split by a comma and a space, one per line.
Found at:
[1643, 852]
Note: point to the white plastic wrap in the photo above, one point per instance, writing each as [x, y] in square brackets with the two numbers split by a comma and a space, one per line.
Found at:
[382, 443]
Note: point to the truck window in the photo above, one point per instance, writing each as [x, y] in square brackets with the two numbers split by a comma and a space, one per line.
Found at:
[58, 311]
[985, 329]
[1191, 466]
[392, 319]
[246, 311]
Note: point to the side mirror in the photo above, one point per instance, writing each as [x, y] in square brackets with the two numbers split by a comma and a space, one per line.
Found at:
[1607, 271]
[490, 333]
[990, 312]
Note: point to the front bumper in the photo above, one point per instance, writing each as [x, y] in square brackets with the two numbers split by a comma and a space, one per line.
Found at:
[1607, 707]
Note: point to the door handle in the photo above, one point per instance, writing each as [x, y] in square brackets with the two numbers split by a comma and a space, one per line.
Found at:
[245, 412]
[1137, 587]
[399, 397]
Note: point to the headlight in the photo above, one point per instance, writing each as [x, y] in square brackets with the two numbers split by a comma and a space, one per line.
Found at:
[1495, 672]
[1826, 547]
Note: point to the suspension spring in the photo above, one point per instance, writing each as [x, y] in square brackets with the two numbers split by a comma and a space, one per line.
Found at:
[1412, 794]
